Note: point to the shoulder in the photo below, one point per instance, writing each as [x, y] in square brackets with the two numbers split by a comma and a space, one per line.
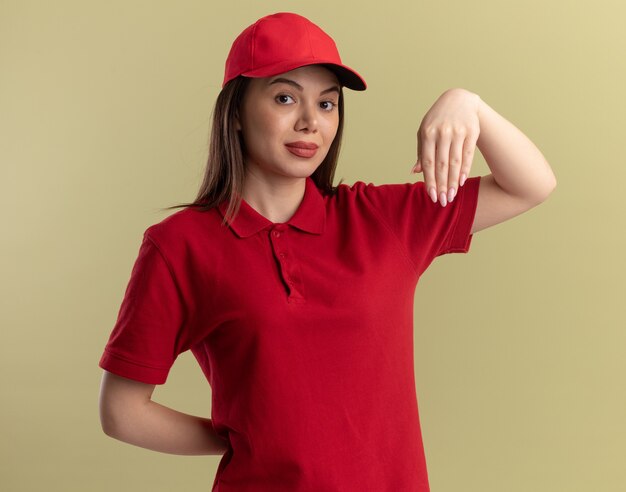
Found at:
[360, 190]
[352, 189]
[366, 186]
[183, 226]
[346, 195]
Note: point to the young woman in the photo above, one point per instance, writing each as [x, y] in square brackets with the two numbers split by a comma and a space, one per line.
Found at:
[294, 295]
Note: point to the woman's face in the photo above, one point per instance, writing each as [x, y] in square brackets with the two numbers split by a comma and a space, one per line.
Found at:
[281, 114]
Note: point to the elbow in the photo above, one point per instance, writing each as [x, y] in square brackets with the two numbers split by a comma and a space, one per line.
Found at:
[548, 185]
[107, 423]
[110, 417]
[119, 403]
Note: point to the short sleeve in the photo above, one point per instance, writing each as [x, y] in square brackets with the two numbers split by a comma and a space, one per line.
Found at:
[149, 332]
[426, 229]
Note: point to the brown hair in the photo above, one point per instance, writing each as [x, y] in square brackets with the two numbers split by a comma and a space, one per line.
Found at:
[224, 173]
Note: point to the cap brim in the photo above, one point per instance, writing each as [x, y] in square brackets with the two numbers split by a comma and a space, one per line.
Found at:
[347, 77]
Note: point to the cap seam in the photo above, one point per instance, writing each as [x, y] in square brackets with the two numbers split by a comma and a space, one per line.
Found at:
[253, 43]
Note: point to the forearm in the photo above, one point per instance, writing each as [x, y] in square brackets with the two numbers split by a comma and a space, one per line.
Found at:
[516, 164]
[154, 426]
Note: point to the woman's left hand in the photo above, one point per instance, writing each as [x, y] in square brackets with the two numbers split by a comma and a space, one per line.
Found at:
[446, 141]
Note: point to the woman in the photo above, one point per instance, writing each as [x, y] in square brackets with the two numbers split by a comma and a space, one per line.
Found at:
[296, 296]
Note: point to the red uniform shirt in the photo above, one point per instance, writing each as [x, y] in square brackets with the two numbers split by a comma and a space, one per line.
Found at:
[303, 329]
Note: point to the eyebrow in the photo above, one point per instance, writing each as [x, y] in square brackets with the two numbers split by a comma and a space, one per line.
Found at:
[282, 80]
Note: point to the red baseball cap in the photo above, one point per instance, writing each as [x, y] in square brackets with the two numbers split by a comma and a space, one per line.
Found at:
[282, 42]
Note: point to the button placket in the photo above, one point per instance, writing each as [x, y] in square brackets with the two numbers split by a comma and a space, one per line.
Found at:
[287, 271]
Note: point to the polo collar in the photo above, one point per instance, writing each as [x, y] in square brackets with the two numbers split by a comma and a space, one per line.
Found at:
[310, 216]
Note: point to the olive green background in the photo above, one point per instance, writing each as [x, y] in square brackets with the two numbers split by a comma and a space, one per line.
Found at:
[519, 345]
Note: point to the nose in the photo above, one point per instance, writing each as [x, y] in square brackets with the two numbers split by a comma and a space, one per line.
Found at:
[307, 118]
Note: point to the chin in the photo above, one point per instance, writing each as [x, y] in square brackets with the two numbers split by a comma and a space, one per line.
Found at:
[300, 170]
[299, 175]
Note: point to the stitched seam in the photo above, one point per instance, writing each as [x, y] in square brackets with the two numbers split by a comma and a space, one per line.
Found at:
[456, 219]
[253, 43]
[134, 362]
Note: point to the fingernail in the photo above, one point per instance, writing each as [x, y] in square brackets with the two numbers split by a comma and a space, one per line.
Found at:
[451, 194]
[462, 179]
[433, 194]
[442, 198]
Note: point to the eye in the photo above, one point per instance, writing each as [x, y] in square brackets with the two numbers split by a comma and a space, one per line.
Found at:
[330, 107]
[281, 98]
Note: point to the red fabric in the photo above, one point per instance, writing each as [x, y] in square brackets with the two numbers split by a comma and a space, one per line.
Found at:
[281, 42]
[304, 330]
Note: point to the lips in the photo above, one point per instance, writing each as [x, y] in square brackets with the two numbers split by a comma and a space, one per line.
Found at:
[302, 149]
[302, 145]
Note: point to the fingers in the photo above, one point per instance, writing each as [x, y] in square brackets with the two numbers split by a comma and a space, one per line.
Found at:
[428, 163]
[454, 168]
[469, 145]
[446, 160]
[441, 164]
[418, 165]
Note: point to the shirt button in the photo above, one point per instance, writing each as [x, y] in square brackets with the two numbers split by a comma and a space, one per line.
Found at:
[276, 234]
[282, 255]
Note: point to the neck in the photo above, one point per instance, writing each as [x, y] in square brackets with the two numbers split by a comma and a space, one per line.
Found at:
[277, 199]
